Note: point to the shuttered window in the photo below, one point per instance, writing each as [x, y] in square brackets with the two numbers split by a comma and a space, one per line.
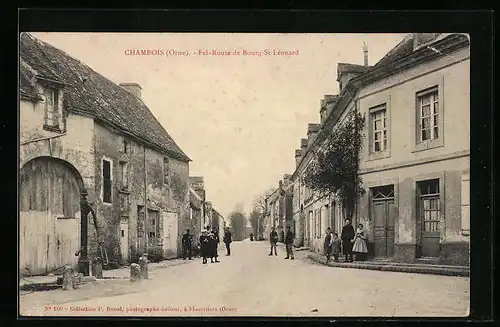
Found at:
[106, 181]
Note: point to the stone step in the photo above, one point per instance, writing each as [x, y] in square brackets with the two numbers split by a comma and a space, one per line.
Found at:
[398, 267]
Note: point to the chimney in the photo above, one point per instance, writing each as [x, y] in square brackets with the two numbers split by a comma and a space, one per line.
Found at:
[303, 145]
[365, 51]
[133, 88]
[298, 155]
[312, 129]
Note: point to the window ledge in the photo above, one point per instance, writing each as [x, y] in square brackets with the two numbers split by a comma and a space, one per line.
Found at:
[379, 155]
[52, 128]
[107, 203]
[427, 145]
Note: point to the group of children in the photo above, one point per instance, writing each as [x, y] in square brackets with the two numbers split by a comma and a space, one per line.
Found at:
[209, 242]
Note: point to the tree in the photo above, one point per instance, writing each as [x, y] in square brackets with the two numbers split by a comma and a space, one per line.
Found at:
[257, 215]
[334, 168]
[257, 222]
[238, 225]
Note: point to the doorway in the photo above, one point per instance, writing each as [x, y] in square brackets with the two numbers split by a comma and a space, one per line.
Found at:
[383, 216]
[124, 241]
[429, 212]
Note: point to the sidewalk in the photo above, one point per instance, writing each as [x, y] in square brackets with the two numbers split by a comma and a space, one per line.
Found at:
[49, 282]
[416, 268]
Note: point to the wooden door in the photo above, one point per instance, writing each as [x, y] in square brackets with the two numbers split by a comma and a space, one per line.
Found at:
[49, 209]
[68, 240]
[384, 214]
[124, 246]
[380, 230]
[429, 218]
[170, 234]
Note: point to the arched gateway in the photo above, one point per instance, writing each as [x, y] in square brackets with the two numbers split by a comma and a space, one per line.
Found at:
[52, 200]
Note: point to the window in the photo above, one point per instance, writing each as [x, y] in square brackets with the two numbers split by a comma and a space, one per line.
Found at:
[430, 205]
[123, 233]
[152, 227]
[106, 181]
[125, 146]
[124, 174]
[428, 114]
[51, 108]
[166, 170]
[190, 213]
[378, 129]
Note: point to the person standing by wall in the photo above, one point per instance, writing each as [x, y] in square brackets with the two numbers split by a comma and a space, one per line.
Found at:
[273, 239]
[227, 240]
[347, 237]
[187, 245]
[289, 236]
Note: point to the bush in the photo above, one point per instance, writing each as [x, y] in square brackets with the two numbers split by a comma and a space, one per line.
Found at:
[155, 254]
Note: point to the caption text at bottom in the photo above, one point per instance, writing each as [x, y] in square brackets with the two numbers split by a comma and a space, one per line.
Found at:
[121, 309]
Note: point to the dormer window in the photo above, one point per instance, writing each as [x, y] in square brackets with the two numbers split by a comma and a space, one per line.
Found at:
[53, 118]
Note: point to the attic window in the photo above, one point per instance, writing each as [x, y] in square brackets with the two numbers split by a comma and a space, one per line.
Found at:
[53, 119]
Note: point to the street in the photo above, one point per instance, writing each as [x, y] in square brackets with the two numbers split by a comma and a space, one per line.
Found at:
[251, 283]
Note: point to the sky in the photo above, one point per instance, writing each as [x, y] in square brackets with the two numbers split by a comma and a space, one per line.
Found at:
[239, 117]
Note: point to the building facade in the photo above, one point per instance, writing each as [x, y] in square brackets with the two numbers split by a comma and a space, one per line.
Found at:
[98, 172]
[415, 158]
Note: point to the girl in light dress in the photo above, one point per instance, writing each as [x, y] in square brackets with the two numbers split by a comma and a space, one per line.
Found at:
[359, 247]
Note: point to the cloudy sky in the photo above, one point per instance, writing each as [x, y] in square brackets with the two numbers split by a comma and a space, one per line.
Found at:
[239, 118]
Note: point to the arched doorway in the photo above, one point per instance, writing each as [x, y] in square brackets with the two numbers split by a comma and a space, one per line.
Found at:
[49, 213]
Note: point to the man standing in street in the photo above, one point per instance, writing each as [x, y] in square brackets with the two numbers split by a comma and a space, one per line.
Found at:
[289, 236]
[187, 245]
[347, 238]
[227, 240]
[273, 238]
[328, 246]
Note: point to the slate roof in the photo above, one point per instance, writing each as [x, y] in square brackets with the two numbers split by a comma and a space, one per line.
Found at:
[88, 91]
[402, 49]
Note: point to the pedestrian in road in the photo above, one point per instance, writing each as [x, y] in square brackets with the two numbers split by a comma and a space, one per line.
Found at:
[187, 245]
[273, 238]
[327, 246]
[204, 246]
[359, 247]
[227, 240]
[336, 247]
[215, 245]
[289, 236]
[347, 237]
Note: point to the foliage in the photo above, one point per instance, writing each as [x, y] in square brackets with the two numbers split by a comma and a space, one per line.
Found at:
[238, 225]
[155, 254]
[334, 168]
[257, 221]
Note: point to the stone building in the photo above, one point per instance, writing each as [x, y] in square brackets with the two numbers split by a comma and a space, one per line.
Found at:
[96, 167]
[415, 158]
[197, 201]
[279, 209]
